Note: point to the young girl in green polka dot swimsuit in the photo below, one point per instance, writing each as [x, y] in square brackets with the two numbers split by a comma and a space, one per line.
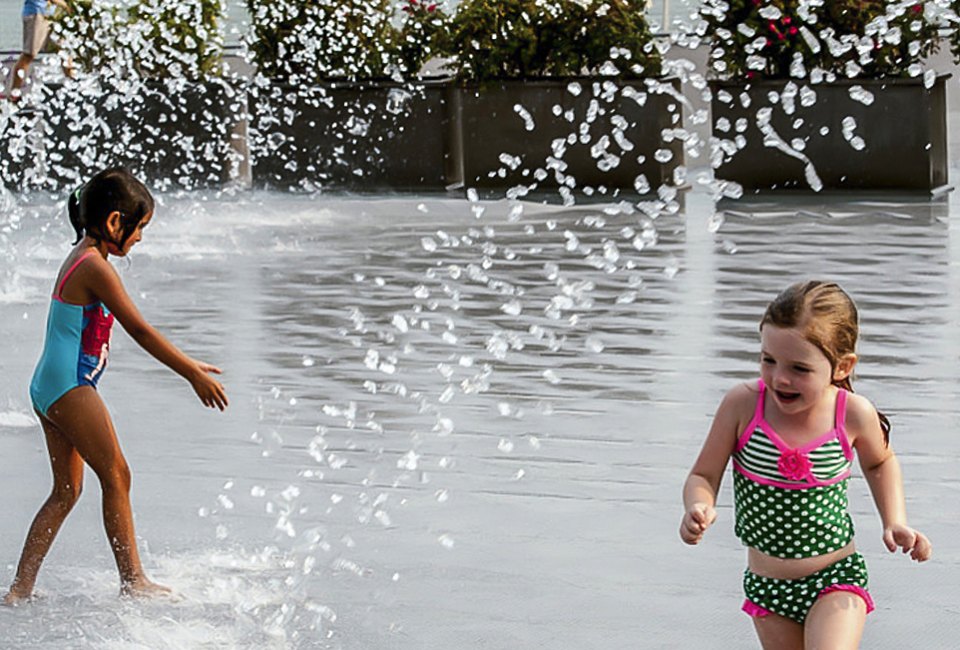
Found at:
[805, 584]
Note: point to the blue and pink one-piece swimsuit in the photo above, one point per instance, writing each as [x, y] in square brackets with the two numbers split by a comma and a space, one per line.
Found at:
[76, 347]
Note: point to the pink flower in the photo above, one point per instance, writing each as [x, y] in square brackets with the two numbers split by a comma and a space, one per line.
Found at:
[794, 464]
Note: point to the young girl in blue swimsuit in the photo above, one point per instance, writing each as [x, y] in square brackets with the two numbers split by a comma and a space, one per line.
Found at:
[792, 436]
[109, 214]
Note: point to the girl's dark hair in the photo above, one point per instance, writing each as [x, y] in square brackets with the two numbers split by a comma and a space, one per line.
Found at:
[112, 190]
[828, 318]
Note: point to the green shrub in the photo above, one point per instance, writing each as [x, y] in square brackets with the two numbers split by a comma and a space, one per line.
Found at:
[177, 38]
[305, 41]
[778, 39]
[89, 33]
[496, 39]
[147, 38]
[424, 33]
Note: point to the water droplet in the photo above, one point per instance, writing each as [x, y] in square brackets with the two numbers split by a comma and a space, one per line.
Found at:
[409, 461]
[663, 155]
[512, 308]
[525, 116]
[594, 344]
[862, 95]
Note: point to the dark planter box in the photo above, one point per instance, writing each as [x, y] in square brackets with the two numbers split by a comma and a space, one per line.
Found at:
[508, 133]
[21, 150]
[168, 133]
[903, 133]
[371, 135]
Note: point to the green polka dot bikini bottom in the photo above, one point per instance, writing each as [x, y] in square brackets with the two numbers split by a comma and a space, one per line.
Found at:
[794, 598]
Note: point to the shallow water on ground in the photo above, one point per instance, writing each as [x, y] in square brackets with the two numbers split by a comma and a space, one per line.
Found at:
[465, 425]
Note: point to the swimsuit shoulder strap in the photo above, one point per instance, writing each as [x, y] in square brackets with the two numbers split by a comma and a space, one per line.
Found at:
[841, 423]
[754, 423]
[70, 271]
[841, 415]
[758, 411]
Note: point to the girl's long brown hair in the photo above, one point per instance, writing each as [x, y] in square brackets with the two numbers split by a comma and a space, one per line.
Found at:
[828, 318]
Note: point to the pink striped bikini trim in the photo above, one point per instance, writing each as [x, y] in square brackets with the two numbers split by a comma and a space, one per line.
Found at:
[789, 486]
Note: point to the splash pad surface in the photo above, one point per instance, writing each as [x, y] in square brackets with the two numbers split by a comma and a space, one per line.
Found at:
[464, 425]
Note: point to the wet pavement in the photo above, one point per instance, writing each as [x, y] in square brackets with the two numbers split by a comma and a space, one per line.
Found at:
[466, 425]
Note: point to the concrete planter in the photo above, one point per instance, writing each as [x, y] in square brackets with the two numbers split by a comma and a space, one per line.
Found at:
[588, 134]
[21, 151]
[863, 134]
[371, 135]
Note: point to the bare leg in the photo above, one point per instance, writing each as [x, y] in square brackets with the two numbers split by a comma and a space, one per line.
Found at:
[19, 75]
[778, 632]
[67, 483]
[85, 422]
[835, 622]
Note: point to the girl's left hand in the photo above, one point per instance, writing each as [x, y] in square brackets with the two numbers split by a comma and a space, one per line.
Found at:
[910, 540]
[209, 390]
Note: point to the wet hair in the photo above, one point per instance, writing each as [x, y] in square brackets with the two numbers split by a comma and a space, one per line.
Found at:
[112, 190]
[827, 318]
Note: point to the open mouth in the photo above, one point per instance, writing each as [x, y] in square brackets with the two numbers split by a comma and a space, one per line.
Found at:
[785, 397]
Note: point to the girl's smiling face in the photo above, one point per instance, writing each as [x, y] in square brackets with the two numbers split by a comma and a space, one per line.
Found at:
[797, 372]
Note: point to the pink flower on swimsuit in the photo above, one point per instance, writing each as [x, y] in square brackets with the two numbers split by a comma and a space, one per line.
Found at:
[794, 464]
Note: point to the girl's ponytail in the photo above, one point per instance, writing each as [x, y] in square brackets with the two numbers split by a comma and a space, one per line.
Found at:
[75, 212]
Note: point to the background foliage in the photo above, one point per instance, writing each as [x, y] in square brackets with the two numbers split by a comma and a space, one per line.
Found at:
[778, 39]
[146, 38]
[494, 39]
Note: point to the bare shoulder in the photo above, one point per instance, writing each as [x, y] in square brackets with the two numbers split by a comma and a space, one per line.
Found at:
[861, 418]
[738, 405]
[97, 267]
[99, 278]
[741, 397]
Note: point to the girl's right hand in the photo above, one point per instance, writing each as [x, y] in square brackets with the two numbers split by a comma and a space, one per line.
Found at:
[695, 522]
[209, 390]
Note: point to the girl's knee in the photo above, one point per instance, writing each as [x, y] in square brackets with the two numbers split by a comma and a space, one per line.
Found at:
[116, 477]
[66, 495]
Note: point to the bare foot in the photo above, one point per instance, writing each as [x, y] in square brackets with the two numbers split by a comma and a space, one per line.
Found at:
[144, 588]
[14, 598]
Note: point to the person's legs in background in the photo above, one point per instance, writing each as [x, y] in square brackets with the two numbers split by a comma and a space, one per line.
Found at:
[36, 30]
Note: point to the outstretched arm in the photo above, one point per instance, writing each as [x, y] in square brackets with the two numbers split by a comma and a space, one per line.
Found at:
[703, 483]
[882, 471]
[109, 290]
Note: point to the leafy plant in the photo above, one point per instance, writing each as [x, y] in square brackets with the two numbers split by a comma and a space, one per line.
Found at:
[177, 38]
[305, 41]
[778, 39]
[88, 31]
[424, 34]
[147, 38]
[493, 39]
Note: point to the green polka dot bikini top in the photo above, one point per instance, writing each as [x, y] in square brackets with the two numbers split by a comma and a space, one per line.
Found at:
[791, 502]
